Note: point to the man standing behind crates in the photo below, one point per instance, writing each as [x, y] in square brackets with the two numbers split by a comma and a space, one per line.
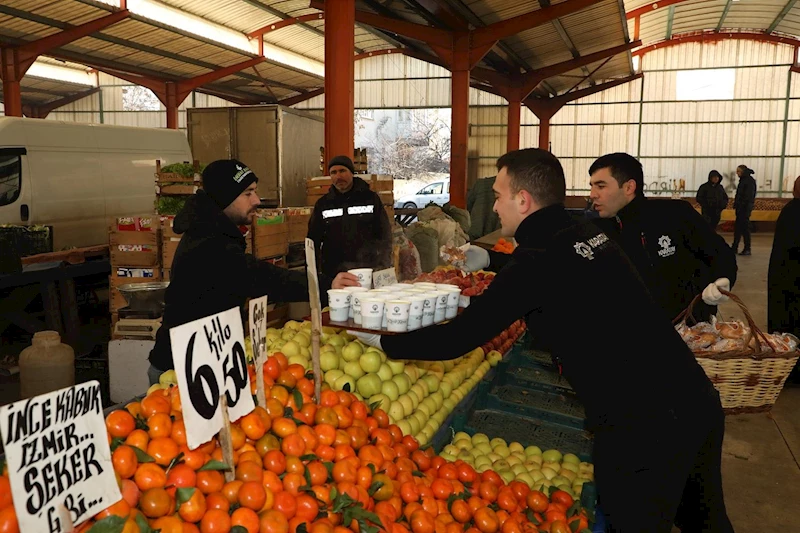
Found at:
[349, 226]
[656, 417]
[675, 251]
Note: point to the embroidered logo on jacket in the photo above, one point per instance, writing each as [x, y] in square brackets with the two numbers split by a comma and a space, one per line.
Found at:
[666, 246]
[586, 249]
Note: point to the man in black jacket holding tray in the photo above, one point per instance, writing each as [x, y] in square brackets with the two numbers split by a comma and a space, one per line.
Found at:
[211, 272]
[657, 419]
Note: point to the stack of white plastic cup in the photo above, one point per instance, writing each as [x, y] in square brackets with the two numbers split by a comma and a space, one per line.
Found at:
[353, 291]
[415, 311]
[429, 310]
[372, 312]
[453, 297]
[440, 312]
[339, 305]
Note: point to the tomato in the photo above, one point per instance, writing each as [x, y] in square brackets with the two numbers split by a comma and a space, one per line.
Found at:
[461, 511]
[559, 526]
[537, 501]
[422, 522]
[486, 520]
[562, 497]
[155, 503]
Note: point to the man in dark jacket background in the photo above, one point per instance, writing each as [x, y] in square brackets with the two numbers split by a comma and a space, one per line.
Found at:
[712, 198]
[663, 433]
[675, 251]
[211, 272]
[349, 225]
[743, 203]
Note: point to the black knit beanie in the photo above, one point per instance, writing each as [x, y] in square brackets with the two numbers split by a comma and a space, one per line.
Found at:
[225, 180]
[344, 161]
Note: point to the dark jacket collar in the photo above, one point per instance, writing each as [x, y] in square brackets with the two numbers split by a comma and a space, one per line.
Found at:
[359, 185]
[538, 228]
[634, 210]
[203, 217]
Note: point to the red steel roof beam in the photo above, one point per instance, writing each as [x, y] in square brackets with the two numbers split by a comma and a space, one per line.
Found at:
[712, 37]
[284, 23]
[302, 97]
[45, 109]
[445, 13]
[652, 6]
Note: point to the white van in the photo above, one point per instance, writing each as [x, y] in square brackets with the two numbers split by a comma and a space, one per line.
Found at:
[75, 177]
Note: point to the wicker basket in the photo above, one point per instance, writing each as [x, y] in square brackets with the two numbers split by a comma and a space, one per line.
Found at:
[748, 381]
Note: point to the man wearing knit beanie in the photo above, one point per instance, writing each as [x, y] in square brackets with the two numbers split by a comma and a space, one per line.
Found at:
[211, 272]
[349, 226]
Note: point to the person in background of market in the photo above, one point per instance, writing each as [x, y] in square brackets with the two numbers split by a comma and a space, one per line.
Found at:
[743, 204]
[480, 204]
[675, 251]
[349, 226]
[657, 419]
[712, 198]
[783, 278]
[211, 272]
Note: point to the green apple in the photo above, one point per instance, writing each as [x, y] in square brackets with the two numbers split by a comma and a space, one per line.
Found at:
[303, 340]
[423, 408]
[354, 370]
[419, 391]
[290, 349]
[511, 460]
[342, 362]
[463, 443]
[299, 360]
[389, 388]
[494, 457]
[370, 362]
[519, 469]
[385, 372]
[336, 340]
[447, 457]
[571, 458]
[414, 425]
[572, 467]
[558, 481]
[403, 383]
[501, 465]
[343, 381]
[408, 405]
[465, 456]
[586, 467]
[328, 360]
[368, 384]
[484, 447]
[449, 404]
[383, 401]
[507, 475]
[352, 352]
[332, 375]
[305, 352]
[404, 426]
[537, 475]
[396, 366]
[525, 478]
[168, 377]
[569, 474]
[552, 456]
[445, 388]
[533, 450]
[516, 447]
[440, 416]
[396, 410]
[412, 395]
[432, 382]
[502, 451]
[483, 460]
[536, 459]
[549, 473]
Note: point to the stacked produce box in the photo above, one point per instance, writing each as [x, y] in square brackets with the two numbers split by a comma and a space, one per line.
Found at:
[174, 185]
[135, 256]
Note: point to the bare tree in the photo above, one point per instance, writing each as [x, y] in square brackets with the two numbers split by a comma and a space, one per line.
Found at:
[422, 147]
[137, 98]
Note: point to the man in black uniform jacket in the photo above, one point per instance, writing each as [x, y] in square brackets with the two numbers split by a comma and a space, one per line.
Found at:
[675, 251]
[658, 442]
[349, 226]
[211, 272]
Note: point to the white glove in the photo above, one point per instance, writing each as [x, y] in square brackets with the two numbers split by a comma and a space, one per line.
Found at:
[477, 258]
[711, 294]
[370, 339]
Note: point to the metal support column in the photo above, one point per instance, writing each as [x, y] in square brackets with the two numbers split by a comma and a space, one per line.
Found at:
[785, 132]
[514, 106]
[544, 132]
[13, 71]
[340, 19]
[171, 102]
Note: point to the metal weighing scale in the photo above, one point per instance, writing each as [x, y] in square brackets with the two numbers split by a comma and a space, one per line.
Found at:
[141, 319]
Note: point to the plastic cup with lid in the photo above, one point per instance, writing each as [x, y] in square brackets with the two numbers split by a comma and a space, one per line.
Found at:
[364, 276]
[396, 313]
[453, 297]
[416, 311]
[372, 313]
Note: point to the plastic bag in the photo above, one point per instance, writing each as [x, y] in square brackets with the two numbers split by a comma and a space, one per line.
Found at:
[450, 232]
[461, 216]
[408, 265]
[426, 241]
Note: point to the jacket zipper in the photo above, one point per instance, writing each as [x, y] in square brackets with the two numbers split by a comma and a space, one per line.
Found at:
[643, 239]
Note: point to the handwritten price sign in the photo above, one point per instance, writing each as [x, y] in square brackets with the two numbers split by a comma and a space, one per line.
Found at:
[258, 338]
[209, 361]
[58, 458]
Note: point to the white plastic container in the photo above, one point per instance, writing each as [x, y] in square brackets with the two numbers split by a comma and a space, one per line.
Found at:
[338, 298]
[46, 365]
[396, 313]
[415, 311]
[364, 276]
[429, 310]
[339, 314]
[453, 297]
[372, 313]
[353, 291]
[441, 306]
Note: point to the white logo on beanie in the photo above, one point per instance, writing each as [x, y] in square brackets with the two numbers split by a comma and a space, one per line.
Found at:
[241, 173]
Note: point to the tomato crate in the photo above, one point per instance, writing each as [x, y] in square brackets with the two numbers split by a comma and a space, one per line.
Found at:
[532, 403]
[533, 377]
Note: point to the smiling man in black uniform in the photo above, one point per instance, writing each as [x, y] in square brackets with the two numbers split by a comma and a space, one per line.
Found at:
[675, 251]
[657, 419]
[349, 226]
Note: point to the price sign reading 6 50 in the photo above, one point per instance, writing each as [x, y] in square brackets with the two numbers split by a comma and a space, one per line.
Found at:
[209, 361]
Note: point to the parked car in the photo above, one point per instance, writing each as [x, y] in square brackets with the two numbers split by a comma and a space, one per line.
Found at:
[437, 192]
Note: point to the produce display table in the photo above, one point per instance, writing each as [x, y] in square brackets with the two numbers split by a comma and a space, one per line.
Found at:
[56, 283]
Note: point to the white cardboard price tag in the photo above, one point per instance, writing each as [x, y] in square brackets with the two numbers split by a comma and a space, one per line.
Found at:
[210, 361]
[385, 277]
[58, 457]
[258, 339]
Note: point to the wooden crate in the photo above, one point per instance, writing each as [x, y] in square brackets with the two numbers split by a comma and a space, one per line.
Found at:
[121, 254]
[135, 223]
[166, 227]
[169, 246]
[165, 274]
[298, 219]
[174, 184]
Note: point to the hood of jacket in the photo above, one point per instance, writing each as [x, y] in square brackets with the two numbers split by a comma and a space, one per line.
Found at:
[201, 216]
